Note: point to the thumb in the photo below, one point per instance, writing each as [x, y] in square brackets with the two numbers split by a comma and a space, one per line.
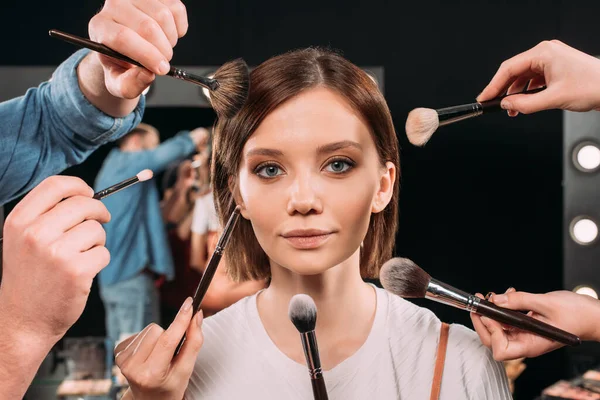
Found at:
[530, 103]
[127, 83]
[186, 359]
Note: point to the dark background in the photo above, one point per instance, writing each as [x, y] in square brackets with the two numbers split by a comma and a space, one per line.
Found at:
[481, 204]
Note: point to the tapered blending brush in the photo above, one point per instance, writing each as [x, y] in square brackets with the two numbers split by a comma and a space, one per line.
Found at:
[303, 314]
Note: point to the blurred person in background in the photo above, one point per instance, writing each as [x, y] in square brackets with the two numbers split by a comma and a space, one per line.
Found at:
[136, 236]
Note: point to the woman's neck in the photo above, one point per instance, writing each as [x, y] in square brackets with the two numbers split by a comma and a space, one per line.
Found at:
[345, 310]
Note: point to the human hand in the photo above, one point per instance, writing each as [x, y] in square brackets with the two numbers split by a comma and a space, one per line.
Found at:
[572, 79]
[143, 30]
[200, 136]
[572, 312]
[147, 361]
[53, 248]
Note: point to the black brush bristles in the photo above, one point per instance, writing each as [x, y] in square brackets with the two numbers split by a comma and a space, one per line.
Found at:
[404, 278]
[303, 313]
[234, 82]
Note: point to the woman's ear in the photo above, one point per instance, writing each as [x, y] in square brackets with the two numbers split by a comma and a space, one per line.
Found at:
[235, 192]
[386, 188]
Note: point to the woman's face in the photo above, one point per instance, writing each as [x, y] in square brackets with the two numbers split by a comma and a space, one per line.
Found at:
[309, 179]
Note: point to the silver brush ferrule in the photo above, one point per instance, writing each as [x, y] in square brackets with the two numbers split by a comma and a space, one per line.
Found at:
[311, 351]
[446, 294]
[450, 115]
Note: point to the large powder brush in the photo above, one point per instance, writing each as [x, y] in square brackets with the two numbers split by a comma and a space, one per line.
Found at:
[404, 278]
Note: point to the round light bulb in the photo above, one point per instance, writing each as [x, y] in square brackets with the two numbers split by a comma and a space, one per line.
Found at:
[586, 290]
[584, 230]
[588, 157]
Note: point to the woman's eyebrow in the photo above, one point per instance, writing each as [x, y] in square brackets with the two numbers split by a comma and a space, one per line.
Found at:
[331, 147]
[259, 151]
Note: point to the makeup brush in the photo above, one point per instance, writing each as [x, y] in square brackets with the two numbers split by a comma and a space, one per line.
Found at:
[303, 314]
[211, 268]
[404, 278]
[140, 177]
[228, 87]
[423, 122]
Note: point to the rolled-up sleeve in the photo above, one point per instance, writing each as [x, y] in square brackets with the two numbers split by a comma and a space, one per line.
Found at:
[53, 126]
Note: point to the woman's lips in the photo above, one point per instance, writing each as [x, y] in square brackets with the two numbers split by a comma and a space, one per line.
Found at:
[307, 239]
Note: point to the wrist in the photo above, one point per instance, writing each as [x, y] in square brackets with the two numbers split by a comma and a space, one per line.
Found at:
[23, 331]
[22, 351]
[90, 75]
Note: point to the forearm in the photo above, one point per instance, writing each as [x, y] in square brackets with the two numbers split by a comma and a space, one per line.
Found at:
[595, 319]
[177, 207]
[184, 229]
[91, 82]
[21, 354]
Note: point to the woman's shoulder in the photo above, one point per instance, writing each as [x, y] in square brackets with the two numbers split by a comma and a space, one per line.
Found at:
[404, 316]
[236, 314]
[414, 333]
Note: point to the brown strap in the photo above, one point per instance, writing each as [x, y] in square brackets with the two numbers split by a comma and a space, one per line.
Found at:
[439, 362]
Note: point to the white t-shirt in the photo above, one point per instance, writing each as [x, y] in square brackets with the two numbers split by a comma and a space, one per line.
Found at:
[205, 217]
[239, 361]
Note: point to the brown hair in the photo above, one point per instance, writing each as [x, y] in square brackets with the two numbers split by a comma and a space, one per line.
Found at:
[271, 84]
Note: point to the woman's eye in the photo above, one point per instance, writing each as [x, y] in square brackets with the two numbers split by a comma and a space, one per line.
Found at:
[268, 171]
[338, 166]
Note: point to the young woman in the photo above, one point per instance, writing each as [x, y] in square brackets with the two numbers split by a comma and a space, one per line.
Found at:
[312, 159]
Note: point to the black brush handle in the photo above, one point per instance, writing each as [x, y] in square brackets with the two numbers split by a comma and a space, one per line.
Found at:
[494, 104]
[319, 390]
[525, 322]
[449, 115]
[208, 83]
[211, 268]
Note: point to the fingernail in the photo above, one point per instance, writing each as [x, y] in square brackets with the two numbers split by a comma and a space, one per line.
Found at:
[200, 318]
[187, 304]
[163, 67]
[500, 300]
[506, 105]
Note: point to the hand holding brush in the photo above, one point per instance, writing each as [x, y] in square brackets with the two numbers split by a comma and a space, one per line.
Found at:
[551, 75]
[228, 87]
[571, 311]
[404, 278]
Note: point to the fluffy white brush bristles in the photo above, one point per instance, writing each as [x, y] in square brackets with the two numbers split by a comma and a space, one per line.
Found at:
[421, 124]
[303, 313]
[145, 175]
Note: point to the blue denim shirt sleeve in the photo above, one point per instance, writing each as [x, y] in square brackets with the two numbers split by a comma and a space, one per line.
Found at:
[52, 127]
[158, 159]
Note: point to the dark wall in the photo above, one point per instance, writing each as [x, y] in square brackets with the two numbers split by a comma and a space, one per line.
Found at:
[481, 204]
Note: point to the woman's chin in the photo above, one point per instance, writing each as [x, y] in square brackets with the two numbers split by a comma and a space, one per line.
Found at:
[312, 262]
